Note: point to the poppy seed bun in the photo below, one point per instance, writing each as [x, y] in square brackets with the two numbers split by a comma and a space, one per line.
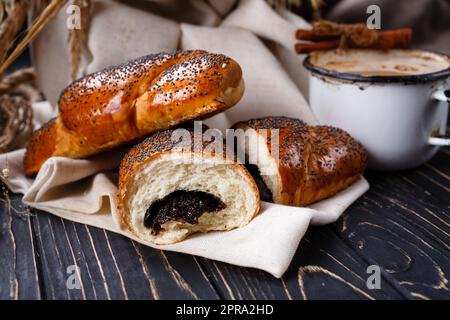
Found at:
[315, 162]
[155, 174]
[121, 104]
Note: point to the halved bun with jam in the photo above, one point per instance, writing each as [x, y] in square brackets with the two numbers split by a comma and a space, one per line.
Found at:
[167, 193]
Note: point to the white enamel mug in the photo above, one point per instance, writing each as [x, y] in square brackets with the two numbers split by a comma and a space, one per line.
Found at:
[400, 120]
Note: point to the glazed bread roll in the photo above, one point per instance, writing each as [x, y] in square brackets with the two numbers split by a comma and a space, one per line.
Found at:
[314, 162]
[120, 104]
[167, 193]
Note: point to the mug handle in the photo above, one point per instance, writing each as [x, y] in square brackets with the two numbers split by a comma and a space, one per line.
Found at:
[441, 95]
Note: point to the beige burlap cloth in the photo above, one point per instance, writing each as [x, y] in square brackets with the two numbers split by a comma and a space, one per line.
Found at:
[83, 190]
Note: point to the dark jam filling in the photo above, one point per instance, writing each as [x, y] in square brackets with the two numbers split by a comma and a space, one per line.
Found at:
[181, 205]
[264, 191]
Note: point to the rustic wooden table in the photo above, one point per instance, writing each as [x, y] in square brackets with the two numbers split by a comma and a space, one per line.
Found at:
[402, 225]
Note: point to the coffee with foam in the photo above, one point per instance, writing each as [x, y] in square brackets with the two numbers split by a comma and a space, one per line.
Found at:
[369, 63]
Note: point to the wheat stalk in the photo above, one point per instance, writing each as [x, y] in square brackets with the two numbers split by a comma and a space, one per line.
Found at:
[77, 37]
[12, 16]
[48, 13]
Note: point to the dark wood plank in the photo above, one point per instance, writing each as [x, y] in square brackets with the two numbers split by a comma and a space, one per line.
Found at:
[111, 266]
[402, 222]
[323, 268]
[330, 269]
[19, 278]
[404, 227]
[18, 271]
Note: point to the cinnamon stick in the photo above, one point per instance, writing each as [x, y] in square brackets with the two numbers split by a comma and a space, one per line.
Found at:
[392, 39]
[312, 35]
[307, 47]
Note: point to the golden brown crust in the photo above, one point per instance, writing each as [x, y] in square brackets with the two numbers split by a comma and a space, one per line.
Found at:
[121, 104]
[315, 162]
[41, 146]
[100, 106]
[161, 143]
[178, 91]
[54, 139]
[336, 161]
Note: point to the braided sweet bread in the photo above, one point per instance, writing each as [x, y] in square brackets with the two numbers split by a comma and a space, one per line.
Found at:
[121, 104]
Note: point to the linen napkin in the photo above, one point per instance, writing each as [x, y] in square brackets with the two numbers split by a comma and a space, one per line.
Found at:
[84, 190]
